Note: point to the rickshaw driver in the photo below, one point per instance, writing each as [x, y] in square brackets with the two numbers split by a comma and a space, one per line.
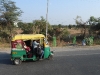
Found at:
[37, 49]
[35, 45]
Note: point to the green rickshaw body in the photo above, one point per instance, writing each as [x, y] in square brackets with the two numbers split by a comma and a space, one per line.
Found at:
[46, 52]
[19, 53]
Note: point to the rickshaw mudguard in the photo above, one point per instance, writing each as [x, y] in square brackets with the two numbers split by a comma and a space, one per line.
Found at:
[51, 53]
[46, 52]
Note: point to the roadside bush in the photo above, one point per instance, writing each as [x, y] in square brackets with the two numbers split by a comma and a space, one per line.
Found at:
[4, 37]
[97, 41]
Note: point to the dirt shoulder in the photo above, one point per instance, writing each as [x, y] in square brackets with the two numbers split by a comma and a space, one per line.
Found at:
[75, 48]
[65, 48]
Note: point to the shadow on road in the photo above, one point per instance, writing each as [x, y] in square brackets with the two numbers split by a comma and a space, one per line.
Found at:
[5, 58]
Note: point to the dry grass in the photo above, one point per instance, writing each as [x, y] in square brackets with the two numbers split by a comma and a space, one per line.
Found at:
[4, 45]
[74, 31]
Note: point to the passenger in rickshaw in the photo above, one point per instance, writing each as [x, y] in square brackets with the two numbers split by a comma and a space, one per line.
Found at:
[28, 50]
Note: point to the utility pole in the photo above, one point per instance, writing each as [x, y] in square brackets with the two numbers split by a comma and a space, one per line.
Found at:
[47, 20]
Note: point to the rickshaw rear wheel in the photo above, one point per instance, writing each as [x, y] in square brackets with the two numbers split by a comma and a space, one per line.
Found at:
[17, 61]
[50, 57]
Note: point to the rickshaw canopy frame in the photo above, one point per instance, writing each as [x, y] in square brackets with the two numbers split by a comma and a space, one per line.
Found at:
[28, 37]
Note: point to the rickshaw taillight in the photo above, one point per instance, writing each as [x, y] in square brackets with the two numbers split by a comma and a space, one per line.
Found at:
[13, 44]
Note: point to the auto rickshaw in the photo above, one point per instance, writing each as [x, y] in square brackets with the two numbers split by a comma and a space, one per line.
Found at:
[18, 52]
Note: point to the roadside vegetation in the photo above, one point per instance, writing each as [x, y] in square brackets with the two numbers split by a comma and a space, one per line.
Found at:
[10, 25]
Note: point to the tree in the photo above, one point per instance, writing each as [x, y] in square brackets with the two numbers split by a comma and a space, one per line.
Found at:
[26, 27]
[94, 24]
[93, 20]
[9, 13]
[70, 26]
[80, 22]
[40, 26]
[59, 31]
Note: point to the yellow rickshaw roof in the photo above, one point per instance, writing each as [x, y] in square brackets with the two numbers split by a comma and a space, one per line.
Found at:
[27, 37]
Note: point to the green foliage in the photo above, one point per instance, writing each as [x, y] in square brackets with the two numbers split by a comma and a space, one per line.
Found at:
[92, 20]
[26, 27]
[70, 26]
[65, 34]
[10, 11]
[40, 26]
[95, 24]
[59, 31]
[97, 41]
[89, 40]
[4, 37]
[8, 14]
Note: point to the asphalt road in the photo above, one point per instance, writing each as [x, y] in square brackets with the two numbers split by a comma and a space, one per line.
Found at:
[71, 62]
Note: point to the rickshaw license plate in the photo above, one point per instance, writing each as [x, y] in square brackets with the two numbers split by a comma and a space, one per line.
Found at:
[14, 52]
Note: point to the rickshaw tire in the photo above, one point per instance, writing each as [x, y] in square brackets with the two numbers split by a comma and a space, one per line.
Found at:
[50, 57]
[17, 59]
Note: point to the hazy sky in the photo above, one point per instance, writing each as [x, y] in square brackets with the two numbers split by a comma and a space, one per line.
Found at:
[60, 11]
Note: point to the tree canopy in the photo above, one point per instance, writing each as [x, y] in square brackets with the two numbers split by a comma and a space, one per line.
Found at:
[9, 13]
